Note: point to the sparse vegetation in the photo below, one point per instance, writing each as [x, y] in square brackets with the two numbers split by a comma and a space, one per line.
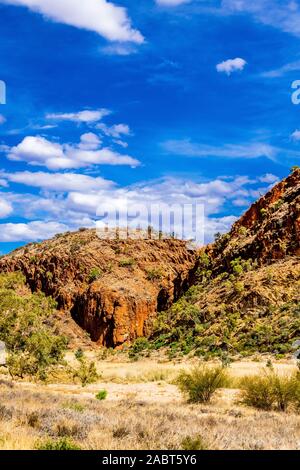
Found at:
[102, 395]
[193, 443]
[86, 373]
[201, 383]
[61, 418]
[154, 274]
[24, 327]
[246, 321]
[58, 444]
[127, 263]
[270, 391]
[95, 274]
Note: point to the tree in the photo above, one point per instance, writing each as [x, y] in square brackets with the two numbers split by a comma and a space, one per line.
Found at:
[86, 372]
[25, 329]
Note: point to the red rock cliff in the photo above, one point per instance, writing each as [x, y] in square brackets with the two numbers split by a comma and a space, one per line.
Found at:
[113, 289]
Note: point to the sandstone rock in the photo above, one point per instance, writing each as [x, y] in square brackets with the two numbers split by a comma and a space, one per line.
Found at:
[113, 289]
[268, 231]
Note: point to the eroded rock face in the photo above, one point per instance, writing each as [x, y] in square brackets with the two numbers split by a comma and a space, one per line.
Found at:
[113, 289]
[268, 231]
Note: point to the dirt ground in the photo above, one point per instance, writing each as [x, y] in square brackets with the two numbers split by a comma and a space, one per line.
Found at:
[143, 410]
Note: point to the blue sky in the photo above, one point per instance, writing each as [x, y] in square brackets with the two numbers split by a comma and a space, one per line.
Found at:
[164, 100]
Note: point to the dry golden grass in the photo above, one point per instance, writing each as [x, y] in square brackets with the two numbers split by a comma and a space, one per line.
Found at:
[120, 370]
[143, 412]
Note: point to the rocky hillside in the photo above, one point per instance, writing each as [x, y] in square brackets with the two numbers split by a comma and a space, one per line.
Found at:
[111, 288]
[268, 231]
[250, 311]
[247, 297]
[238, 295]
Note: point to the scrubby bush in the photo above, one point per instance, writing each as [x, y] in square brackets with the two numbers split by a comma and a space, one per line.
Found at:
[127, 263]
[270, 391]
[285, 390]
[79, 354]
[193, 443]
[86, 372]
[95, 274]
[154, 274]
[201, 382]
[102, 395]
[257, 392]
[140, 345]
[59, 444]
[24, 328]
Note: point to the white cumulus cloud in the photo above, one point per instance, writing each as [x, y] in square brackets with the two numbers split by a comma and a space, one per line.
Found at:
[85, 116]
[24, 232]
[103, 17]
[116, 131]
[60, 182]
[37, 150]
[296, 135]
[5, 208]
[89, 141]
[231, 65]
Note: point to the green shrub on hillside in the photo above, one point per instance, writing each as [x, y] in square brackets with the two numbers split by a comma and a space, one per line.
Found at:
[127, 263]
[154, 274]
[95, 274]
[24, 328]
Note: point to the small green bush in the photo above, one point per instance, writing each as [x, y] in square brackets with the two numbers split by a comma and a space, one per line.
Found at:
[95, 274]
[285, 390]
[154, 274]
[201, 382]
[270, 391]
[127, 263]
[140, 345]
[59, 444]
[102, 395]
[79, 354]
[86, 373]
[193, 443]
[257, 392]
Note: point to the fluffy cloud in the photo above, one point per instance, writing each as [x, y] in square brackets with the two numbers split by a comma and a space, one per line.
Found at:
[89, 141]
[103, 17]
[82, 197]
[231, 65]
[296, 135]
[116, 131]
[192, 149]
[60, 182]
[37, 230]
[42, 152]
[5, 208]
[268, 178]
[86, 116]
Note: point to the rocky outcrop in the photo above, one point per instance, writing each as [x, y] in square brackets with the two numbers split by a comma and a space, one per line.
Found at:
[113, 289]
[268, 231]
